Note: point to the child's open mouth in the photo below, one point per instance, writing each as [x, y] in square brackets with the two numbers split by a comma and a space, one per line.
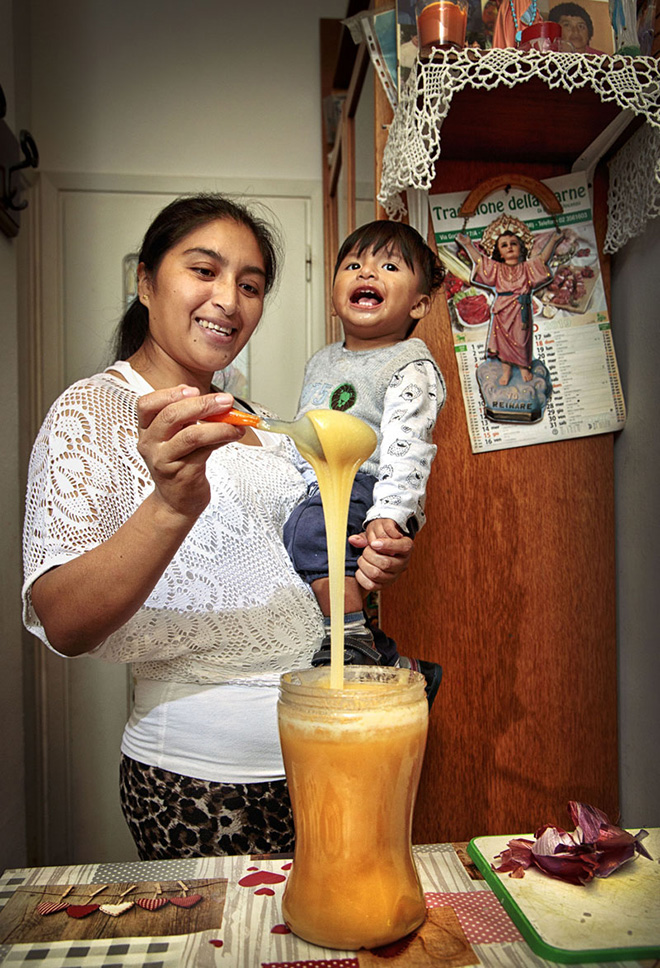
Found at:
[367, 298]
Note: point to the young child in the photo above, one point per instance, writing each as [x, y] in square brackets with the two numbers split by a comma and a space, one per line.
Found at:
[384, 281]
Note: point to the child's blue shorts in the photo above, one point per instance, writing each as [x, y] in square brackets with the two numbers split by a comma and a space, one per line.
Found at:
[304, 531]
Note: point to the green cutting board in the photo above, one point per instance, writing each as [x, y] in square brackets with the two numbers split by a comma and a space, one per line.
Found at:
[611, 918]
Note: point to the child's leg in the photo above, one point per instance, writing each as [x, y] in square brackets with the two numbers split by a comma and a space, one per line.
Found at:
[352, 595]
[389, 654]
[358, 638]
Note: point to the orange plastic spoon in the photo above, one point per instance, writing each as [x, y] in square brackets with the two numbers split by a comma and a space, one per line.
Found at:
[301, 431]
[237, 417]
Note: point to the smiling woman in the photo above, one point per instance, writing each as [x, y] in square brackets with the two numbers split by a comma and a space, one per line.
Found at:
[154, 536]
[210, 261]
[205, 301]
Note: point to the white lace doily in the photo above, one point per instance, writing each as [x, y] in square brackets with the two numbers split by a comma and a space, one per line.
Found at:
[413, 144]
[634, 192]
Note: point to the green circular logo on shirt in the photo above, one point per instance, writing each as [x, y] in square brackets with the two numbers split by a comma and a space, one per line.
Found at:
[343, 397]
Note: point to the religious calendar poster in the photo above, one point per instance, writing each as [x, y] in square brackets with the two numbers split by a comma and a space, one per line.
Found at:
[531, 330]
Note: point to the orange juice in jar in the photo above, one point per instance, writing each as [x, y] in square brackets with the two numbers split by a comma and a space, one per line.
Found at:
[353, 758]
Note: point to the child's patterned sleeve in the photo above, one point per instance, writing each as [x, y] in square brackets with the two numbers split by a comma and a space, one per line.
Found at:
[412, 403]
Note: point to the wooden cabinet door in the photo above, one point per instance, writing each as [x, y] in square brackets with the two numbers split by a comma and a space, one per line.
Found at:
[512, 589]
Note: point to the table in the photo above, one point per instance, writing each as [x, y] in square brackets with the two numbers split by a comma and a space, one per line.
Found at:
[241, 901]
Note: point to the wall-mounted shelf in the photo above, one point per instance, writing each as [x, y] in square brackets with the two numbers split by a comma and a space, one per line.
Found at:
[10, 220]
[557, 126]
[11, 166]
[511, 585]
[506, 106]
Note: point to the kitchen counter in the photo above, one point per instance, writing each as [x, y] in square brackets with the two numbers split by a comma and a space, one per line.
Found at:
[226, 911]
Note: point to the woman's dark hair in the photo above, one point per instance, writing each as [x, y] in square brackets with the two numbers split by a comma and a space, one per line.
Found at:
[388, 235]
[571, 10]
[497, 255]
[172, 224]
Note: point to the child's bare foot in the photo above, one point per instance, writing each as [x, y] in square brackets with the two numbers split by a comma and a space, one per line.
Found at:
[506, 374]
[526, 373]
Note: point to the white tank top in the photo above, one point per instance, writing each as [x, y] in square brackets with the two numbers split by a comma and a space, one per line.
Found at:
[225, 732]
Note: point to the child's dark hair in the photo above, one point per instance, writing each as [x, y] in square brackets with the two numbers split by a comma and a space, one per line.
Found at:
[172, 224]
[388, 235]
[497, 255]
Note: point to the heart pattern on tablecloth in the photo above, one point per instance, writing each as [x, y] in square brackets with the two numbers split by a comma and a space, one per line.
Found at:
[121, 907]
[50, 907]
[116, 910]
[190, 900]
[81, 910]
[151, 903]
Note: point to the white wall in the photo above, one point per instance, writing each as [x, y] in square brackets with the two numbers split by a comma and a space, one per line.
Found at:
[203, 87]
[636, 326]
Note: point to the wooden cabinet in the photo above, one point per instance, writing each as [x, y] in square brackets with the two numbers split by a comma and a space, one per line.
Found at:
[512, 589]
[512, 581]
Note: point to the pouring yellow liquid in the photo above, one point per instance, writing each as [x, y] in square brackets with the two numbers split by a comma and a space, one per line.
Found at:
[335, 444]
[346, 442]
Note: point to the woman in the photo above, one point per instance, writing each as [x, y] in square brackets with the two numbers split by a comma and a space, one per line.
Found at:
[577, 27]
[154, 536]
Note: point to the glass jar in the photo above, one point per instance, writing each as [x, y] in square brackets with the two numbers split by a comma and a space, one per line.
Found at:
[441, 24]
[353, 758]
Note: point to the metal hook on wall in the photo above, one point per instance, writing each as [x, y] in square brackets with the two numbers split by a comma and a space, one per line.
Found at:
[11, 163]
[30, 160]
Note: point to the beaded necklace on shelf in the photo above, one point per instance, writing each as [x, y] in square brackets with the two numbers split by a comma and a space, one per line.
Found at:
[527, 18]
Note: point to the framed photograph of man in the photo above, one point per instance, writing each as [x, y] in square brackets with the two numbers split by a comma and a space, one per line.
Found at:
[585, 24]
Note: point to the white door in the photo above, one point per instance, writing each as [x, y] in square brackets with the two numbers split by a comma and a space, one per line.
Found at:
[95, 231]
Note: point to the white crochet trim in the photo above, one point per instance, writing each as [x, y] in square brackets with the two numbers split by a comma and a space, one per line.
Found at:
[413, 144]
[634, 192]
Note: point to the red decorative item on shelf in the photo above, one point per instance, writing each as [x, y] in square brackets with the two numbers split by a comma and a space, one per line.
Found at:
[544, 35]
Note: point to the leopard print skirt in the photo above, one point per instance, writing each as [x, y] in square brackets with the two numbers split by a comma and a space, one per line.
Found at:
[172, 816]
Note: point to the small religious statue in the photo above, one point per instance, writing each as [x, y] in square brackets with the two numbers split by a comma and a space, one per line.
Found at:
[512, 18]
[514, 385]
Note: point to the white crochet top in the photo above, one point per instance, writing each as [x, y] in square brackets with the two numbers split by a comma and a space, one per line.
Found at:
[230, 606]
